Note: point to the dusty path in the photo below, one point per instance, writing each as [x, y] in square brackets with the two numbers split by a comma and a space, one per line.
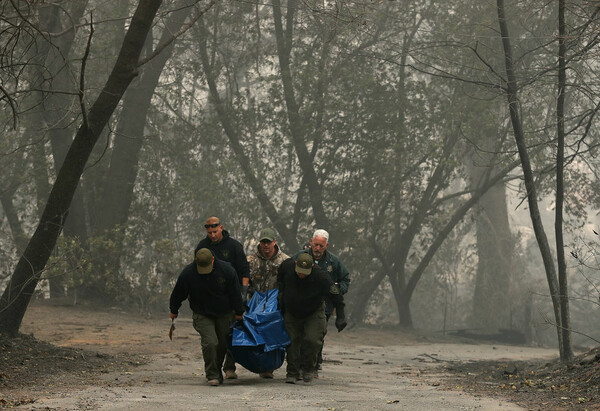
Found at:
[364, 369]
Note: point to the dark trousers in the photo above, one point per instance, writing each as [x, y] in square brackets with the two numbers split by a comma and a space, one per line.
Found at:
[320, 356]
[213, 339]
[229, 360]
[229, 364]
[305, 334]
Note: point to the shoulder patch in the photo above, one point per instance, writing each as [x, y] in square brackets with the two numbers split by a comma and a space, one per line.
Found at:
[334, 289]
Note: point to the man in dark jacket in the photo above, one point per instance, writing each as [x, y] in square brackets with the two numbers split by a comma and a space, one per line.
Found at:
[227, 249]
[332, 265]
[212, 288]
[303, 287]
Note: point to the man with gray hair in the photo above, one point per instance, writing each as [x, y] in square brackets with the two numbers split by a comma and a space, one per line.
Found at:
[332, 265]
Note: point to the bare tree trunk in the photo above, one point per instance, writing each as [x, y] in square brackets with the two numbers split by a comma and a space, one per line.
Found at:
[58, 115]
[491, 298]
[361, 299]
[567, 351]
[12, 217]
[117, 187]
[287, 235]
[18, 293]
[534, 212]
[284, 47]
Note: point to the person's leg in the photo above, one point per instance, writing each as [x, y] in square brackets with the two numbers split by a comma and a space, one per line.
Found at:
[295, 330]
[314, 330]
[229, 366]
[222, 325]
[320, 358]
[210, 345]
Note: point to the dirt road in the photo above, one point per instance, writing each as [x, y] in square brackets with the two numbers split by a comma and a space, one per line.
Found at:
[364, 369]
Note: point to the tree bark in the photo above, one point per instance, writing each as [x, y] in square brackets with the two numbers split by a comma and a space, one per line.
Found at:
[117, 187]
[491, 298]
[534, 212]
[284, 47]
[18, 293]
[566, 354]
[129, 136]
[222, 110]
[58, 115]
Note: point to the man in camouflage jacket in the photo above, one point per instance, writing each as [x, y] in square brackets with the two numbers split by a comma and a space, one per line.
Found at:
[265, 262]
[263, 268]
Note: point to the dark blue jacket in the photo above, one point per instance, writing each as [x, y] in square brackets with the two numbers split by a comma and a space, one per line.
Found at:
[331, 264]
[211, 295]
[228, 250]
[302, 297]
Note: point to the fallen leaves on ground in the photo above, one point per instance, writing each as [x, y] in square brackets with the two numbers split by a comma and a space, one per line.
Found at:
[534, 385]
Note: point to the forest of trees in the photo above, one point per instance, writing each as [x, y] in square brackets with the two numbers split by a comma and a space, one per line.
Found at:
[449, 149]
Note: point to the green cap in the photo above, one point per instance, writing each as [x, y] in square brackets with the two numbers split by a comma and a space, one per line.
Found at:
[204, 261]
[267, 234]
[304, 264]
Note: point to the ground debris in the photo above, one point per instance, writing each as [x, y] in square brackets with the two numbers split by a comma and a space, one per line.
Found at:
[529, 383]
[27, 362]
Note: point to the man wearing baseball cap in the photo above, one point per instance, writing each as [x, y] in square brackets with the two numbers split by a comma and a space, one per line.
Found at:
[303, 287]
[263, 268]
[213, 290]
[225, 248]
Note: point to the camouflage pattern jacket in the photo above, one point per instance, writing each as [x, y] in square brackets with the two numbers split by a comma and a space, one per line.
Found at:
[263, 271]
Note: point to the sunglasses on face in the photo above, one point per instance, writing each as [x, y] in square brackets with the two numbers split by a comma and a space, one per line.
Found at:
[212, 225]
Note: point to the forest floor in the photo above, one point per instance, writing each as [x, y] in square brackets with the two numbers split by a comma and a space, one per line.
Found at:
[75, 358]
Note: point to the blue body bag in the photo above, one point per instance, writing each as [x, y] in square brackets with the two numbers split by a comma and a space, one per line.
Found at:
[258, 342]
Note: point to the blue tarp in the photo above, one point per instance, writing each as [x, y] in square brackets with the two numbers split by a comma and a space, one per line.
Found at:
[259, 341]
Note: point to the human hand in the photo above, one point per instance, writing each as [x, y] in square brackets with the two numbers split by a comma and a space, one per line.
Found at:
[340, 323]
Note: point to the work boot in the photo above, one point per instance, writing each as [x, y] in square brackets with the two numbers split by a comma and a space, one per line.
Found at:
[268, 374]
[214, 383]
[308, 377]
[290, 380]
[230, 375]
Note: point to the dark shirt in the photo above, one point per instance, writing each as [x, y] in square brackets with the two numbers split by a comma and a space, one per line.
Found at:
[338, 273]
[228, 250]
[211, 295]
[302, 297]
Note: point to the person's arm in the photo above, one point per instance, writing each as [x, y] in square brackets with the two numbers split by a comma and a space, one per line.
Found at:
[343, 278]
[280, 285]
[235, 292]
[243, 268]
[337, 300]
[178, 295]
[252, 266]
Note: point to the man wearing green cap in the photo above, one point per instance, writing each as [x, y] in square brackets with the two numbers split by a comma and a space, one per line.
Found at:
[263, 268]
[213, 290]
[264, 262]
[332, 265]
[225, 248]
[303, 287]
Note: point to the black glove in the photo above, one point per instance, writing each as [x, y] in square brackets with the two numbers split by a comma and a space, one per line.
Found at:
[340, 323]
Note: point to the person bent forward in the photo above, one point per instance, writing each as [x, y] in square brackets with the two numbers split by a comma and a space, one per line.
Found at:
[303, 287]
